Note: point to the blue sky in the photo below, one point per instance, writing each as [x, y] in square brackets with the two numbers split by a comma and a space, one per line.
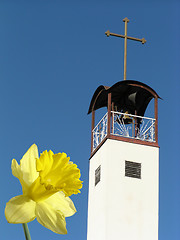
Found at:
[53, 56]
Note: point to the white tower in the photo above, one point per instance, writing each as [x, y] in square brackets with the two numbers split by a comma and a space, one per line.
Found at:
[124, 164]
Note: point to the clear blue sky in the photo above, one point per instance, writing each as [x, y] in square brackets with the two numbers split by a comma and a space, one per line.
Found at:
[53, 55]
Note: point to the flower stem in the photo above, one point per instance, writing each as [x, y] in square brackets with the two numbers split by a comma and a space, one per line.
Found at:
[26, 231]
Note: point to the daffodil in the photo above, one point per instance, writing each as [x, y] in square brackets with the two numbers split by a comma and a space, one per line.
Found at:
[47, 182]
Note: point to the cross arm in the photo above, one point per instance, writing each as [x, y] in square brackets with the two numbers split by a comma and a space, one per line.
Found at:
[108, 33]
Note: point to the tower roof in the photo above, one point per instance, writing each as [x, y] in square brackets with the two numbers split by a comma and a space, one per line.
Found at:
[126, 95]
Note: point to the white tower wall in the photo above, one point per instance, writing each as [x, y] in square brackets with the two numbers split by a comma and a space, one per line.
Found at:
[122, 207]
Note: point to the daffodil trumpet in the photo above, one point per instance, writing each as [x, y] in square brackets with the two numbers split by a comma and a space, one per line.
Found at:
[47, 182]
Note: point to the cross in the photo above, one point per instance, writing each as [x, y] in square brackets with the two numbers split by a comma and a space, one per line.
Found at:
[108, 33]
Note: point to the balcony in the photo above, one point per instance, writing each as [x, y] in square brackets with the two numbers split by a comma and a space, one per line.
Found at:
[124, 125]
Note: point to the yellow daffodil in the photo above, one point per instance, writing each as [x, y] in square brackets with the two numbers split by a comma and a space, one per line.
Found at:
[47, 182]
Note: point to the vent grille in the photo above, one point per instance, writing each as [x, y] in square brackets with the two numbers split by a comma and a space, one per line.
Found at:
[97, 175]
[132, 169]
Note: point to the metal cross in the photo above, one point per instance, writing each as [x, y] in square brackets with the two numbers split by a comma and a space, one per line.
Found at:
[108, 33]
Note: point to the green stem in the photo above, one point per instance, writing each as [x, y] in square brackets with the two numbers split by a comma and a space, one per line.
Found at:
[26, 231]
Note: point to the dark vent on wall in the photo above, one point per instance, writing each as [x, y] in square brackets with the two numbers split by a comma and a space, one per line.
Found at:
[132, 169]
[97, 175]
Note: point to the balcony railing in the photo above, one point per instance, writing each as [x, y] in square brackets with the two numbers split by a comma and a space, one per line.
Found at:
[125, 125]
[100, 132]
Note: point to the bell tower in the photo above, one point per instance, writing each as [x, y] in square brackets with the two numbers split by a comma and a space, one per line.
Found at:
[124, 163]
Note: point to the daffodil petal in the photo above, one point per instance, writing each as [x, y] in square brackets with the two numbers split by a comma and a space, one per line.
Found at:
[20, 209]
[16, 171]
[28, 165]
[50, 218]
[59, 202]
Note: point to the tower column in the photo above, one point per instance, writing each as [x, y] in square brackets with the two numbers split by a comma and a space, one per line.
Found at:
[156, 117]
[109, 115]
[92, 127]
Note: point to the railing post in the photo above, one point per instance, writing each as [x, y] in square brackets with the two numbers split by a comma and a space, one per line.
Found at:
[112, 115]
[113, 122]
[92, 127]
[152, 130]
[109, 116]
[135, 120]
[156, 118]
[133, 127]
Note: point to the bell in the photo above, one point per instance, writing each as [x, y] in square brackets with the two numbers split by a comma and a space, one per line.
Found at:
[124, 119]
[127, 119]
